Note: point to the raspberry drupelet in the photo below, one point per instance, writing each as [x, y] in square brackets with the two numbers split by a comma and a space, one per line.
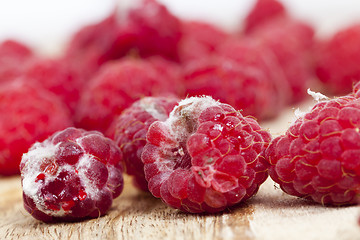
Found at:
[131, 128]
[318, 157]
[72, 175]
[205, 157]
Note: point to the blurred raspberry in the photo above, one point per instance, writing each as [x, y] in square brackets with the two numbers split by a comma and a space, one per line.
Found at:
[205, 157]
[72, 175]
[291, 42]
[199, 39]
[252, 52]
[13, 55]
[115, 87]
[262, 12]
[245, 87]
[131, 129]
[27, 114]
[95, 44]
[57, 76]
[153, 29]
[318, 157]
[337, 60]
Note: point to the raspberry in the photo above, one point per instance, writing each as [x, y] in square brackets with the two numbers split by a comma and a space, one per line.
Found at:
[318, 157]
[154, 30]
[199, 39]
[57, 76]
[205, 157]
[94, 45]
[241, 85]
[115, 87]
[131, 129]
[263, 12]
[72, 175]
[291, 41]
[27, 114]
[12, 55]
[252, 52]
[336, 60]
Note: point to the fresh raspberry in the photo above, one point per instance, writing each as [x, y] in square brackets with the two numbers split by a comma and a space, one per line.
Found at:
[199, 39]
[131, 128]
[115, 87]
[27, 114]
[153, 30]
[205, 157]
[318, 157]
[337, 60]
[12, 55]
[263, 12]
[57, 76]
[241, 85]
[72, 175]
[291, 41]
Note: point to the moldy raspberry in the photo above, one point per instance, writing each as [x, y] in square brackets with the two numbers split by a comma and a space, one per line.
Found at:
[131, 128]
[205, 157]
[27, 114]
[72, 175]
[318, 157]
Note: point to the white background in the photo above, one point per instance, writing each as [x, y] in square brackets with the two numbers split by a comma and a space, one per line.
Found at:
[47, 24]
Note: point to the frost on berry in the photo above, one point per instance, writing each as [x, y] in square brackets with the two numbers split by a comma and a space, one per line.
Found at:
[131, 128]
[70, 176]
[317, 157]
[205, 157]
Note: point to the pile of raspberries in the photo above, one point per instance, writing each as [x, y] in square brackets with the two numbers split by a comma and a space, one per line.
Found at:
[175, 104]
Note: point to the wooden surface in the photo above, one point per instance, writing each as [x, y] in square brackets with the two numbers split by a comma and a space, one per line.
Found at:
[271, 214]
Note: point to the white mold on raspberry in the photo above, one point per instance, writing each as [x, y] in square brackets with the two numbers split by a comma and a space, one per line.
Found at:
[72, 175]
[205, 157]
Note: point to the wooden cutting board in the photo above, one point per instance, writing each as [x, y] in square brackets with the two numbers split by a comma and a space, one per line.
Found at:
[271, 214]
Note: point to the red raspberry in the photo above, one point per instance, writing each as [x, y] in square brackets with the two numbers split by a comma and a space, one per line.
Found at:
[131, 129]
[337, 60]
[154, 30]
[27, 114]
[94, 45]
[318, 157]
[241, 85]
[57, 76]
[263, 12]
[72, 175]
[205, 157]
[291, 41]
[12, 55]
[252, 52]
[199, 39]
[115, 87]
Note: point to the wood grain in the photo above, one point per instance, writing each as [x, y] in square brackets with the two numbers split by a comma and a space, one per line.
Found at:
[270, 215]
